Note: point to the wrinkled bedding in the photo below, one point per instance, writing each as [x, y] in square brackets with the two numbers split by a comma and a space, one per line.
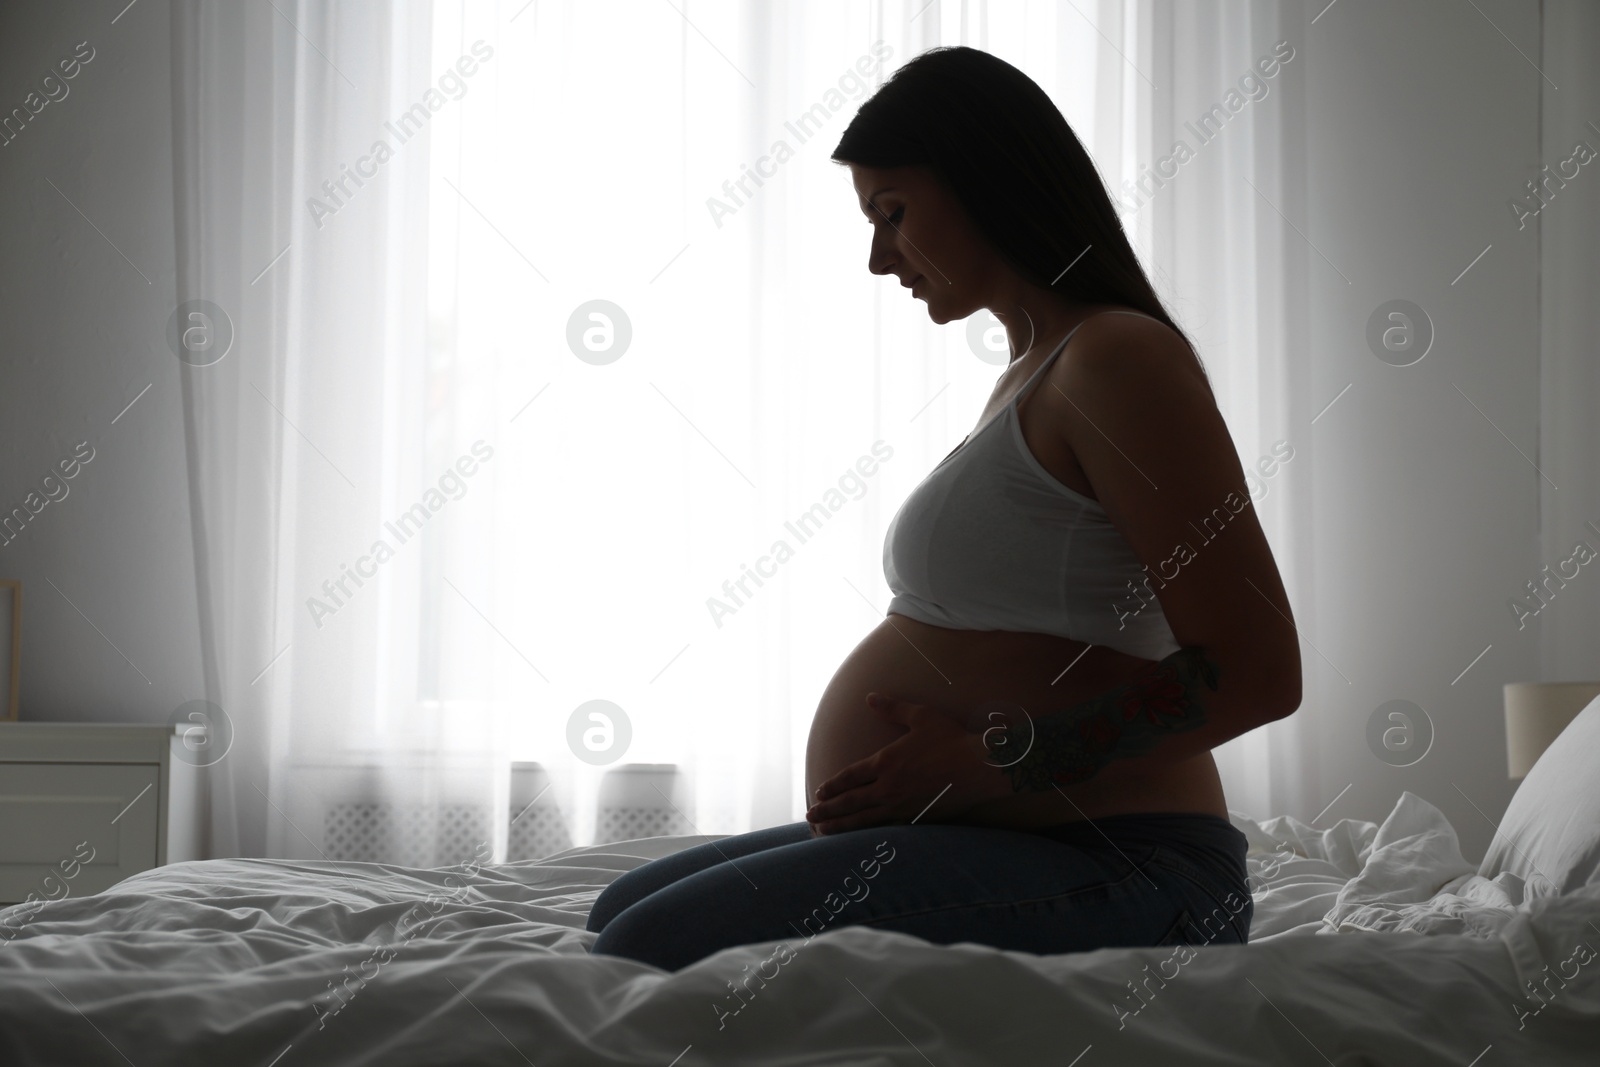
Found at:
[1372, 944]
[1404, 875]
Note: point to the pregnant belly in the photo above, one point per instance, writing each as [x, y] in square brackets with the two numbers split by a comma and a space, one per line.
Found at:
[965, 669]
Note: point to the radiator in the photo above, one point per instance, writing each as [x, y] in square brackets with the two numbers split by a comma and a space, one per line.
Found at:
[359, 825]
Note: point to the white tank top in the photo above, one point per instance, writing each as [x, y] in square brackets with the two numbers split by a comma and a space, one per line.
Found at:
[990, 540]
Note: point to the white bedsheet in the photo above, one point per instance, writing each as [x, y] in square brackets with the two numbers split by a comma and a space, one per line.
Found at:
[235, 962]
[1406, 874]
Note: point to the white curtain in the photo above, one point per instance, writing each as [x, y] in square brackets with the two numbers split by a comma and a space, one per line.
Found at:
[514, 402]
[309, 432]
[1222, 233]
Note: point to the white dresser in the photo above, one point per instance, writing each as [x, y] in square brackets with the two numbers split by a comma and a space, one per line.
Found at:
[84, 805]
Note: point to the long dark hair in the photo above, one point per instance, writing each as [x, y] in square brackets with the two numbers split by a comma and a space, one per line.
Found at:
[1011, 159]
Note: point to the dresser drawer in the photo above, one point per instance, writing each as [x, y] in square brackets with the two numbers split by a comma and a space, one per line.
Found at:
[71, 829]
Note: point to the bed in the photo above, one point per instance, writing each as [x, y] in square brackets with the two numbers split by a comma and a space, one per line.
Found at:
[1372, 943]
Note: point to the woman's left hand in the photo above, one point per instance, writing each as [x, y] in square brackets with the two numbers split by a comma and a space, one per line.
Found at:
[938, 767]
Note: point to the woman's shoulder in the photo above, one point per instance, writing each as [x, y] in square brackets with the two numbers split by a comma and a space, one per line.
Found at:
[1122, 343]
[1120, 320]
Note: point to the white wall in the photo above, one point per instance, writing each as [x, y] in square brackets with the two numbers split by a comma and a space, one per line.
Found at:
[1569, 294]
[1424, 121]
[84, 334]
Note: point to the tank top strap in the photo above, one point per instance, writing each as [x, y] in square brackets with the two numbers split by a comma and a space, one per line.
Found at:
[1027, 387]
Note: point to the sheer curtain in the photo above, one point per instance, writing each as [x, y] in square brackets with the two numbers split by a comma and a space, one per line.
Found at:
[1222, 162]
[305, 400]
[545, 430]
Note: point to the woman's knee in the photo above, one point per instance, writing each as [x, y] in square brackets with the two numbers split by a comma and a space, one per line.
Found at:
[626, 890]
[642, 933]
[692, 919]
[633, 886]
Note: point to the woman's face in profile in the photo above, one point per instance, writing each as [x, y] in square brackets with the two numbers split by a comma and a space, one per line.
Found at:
[922, 235]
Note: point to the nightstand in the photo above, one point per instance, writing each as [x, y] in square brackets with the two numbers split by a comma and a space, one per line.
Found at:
[84, 805]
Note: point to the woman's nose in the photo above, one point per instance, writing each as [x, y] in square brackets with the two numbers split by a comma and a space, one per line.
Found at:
[880, 257]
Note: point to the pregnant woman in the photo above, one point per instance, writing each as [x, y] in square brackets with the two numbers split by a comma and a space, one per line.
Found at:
[1084, 602]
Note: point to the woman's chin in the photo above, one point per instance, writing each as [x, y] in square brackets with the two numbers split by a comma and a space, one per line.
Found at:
[943, 311]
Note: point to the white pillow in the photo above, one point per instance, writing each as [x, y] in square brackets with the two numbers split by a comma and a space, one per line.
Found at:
[1550, 836]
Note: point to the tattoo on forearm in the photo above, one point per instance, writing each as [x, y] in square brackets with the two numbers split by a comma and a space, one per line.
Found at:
[1074, 745]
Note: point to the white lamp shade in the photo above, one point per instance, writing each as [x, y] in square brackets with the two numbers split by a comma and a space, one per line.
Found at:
[1535, 713]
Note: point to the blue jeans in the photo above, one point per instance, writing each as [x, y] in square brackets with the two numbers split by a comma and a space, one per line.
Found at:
[1118, 881]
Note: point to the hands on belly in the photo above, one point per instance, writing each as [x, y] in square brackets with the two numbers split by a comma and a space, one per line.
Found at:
[940, 768]
[870, 771]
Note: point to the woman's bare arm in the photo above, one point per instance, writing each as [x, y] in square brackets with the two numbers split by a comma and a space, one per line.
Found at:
[1130, 401]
